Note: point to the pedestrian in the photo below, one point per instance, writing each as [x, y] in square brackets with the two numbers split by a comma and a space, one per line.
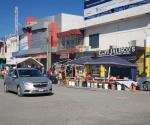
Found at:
[49, 73]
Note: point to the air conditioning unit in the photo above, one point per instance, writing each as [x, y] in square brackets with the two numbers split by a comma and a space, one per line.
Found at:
[132, 43]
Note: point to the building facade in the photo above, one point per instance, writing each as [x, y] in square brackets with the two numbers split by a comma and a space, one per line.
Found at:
[39, 36]
[11, 45]
[109, 27]
[120, 29]
[70, 43]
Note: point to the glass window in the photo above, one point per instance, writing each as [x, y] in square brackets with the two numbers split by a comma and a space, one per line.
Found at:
[94, 41]
[29, 73]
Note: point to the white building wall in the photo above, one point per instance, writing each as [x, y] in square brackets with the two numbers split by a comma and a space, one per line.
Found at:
[132, 12]
[12, 46]
[121, 32]
[71, 22]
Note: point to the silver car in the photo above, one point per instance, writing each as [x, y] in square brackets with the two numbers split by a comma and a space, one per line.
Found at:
[27, 81]
[144, 83]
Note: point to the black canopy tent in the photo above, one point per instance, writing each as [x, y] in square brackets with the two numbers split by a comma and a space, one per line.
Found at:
[109, 60]
[106, 60]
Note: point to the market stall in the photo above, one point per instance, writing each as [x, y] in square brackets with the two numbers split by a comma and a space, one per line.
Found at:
[104, 71]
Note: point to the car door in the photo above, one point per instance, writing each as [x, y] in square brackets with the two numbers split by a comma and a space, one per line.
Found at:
[14, 78]
[8, 80]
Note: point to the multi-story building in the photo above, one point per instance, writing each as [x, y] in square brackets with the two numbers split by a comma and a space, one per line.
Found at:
[35, 36]
[116, 27]
[11, 45]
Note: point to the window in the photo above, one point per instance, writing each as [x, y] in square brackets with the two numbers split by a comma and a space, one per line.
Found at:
[29, 73]
[13, 73]
[94, 41]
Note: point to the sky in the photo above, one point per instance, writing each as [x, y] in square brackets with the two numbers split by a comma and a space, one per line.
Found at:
[34, 8]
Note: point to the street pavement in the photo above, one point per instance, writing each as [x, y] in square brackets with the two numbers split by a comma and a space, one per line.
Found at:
[69, 106]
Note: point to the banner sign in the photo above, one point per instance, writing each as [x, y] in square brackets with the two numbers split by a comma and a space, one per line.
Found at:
[119, 51]
[93, 7]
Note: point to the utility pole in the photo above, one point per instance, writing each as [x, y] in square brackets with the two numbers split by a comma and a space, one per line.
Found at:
[49, 47]
[16, 25]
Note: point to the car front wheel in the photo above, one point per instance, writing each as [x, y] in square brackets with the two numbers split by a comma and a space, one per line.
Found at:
[19, 91]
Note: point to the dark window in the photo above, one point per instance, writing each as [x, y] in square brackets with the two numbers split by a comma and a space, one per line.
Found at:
[94, 41]
[29, 73]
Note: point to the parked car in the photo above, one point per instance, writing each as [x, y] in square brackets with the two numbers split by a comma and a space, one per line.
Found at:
[27, 81]
[144, 83]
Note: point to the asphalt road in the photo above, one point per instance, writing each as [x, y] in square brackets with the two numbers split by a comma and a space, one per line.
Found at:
[69, 106]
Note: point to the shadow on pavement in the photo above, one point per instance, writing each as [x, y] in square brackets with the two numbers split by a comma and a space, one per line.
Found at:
[33, 95]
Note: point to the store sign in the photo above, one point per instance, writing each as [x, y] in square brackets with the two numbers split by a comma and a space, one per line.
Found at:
[119, 51]
[93, 7]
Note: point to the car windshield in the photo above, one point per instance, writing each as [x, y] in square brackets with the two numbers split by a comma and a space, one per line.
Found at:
[29, 73]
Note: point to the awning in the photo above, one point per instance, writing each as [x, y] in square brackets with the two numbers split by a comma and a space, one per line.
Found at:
[70, 32]
[67, 51]
[27, 61]
[105, 60]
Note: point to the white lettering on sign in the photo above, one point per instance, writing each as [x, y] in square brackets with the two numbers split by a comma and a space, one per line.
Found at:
[119, 51]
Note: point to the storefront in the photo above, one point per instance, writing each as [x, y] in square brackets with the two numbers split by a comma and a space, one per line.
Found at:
[133, 54]
[120, 29]
[96, 71]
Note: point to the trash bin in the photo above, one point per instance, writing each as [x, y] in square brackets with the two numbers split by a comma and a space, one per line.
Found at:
[70, 83]
[113, 87]
[95, 85]
[88, 84]
[122, 87]
[73, 83]
[119, 87]
[84, 84]
[80, 83]
[106, 86]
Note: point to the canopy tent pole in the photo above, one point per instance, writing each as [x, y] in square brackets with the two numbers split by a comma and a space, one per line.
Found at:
[109, 70]
[133, 73]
